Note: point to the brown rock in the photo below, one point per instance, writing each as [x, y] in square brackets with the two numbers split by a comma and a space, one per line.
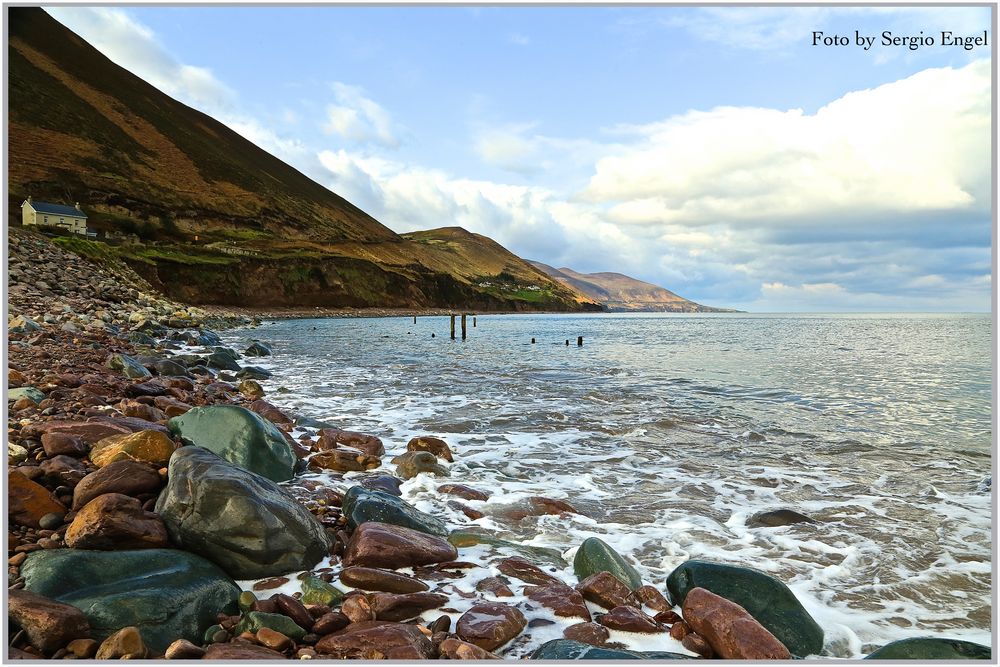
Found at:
[357, 608]
[456, 649]
[630, 619]
[696, 644]
[372, 579]
[729, 629]
[544, 505]
[55, 444]
[151, 447]
[182, 649]
[88, 432]
[330, 623]
[526, 571]
[116, 521]
[490, 625]
[594, 634]
[496, 586]
[376, 544]
[83, 648]
[126, 643]
[466, 510]
[149, 388]
[333, 438]
[251, 388]
[344, 460]
[49, 625]
[563, 600]
[294, 610]
[231, 652]
[404, 606]
[16, 378]
[131, 478]
[27, 501]
[171, 406]
[132, 408]
[273, 639]
[377, 640]
[435, 446]
[649, 596]
[462, 491]
[604, 589]
[23, 403]
[63, 470]
[268, 584]
[679, 630]
[270, 412]
[668, 616]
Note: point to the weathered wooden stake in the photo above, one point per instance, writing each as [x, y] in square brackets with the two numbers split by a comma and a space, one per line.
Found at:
[463, 326]
[579, 341]
[532, 341]
[567, 342]
[453, 327]
[414, 319]
[473, 321]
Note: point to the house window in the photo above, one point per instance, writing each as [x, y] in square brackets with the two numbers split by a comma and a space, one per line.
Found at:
[46, 219]
[62, 221]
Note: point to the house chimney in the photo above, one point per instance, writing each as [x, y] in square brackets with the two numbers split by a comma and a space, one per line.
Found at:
[29, 199]
[78, 206]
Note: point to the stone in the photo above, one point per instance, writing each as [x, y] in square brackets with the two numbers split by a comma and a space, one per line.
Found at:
[89, 432]
[257, 349]
[317, 591]
[169, 368]
[526, 571]
[568, 649]
[83, 648]
[456, 649]
[462, 491]
[330, 622]
[63, 470]
[334, 438]
[138, 389]
[650, 597]
[764, 597]
[31, 393]
[250, 388]
[273, 639]
[151, 447]
[594, 556]
[630, 619]
[604, 589]
[435, 446]
[594, 634]
[931, 648]
[16, 453]
[167, 594]
[490, 625]
[223, 359]
[375, 544]
[116, 521]
[404, 606]
[128, 366]
[239, 436]
[563, 600]
[411, 464]
[773, 519]
[56, 444]
[232, 652]
[732, 633]
[384, 483]
[126, 643]
[253, 373]
[28, 501]
[497, 586]
[242, 521]
[182, 649]
[357, 608]
[377, 640]
[253, 621]
[373, 579]
[130, 478]
[270, 412]
[22, 324]
[543, 505]
[294, 610]
[360, 505]
[51, 521]
[343, 460]
[49, 625]
[171, 407]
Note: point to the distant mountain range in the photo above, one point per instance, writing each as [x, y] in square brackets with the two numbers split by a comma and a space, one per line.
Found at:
[617, 292]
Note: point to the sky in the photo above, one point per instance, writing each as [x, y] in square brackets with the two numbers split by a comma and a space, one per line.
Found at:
[715, 151]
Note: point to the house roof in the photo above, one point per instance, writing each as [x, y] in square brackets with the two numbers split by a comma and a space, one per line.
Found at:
[56, 209]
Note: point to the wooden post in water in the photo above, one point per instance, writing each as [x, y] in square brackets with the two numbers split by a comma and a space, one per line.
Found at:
[473, 321]
[567, 342]
[463, 326]
[579, 341]
[414, 319]
[453, 326]
[532, 341]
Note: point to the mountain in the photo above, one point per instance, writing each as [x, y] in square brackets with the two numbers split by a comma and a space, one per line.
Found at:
[617, 292]
[218, 219]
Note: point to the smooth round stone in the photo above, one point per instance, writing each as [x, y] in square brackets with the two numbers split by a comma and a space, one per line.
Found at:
[51, 521]
[931, 648]
[594, 556]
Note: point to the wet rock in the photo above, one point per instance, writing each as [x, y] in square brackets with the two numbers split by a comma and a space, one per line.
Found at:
[462, 491]
[116, 521]
[28, 501]
[257, 349]
[404, 606]
[167, 594]
[630, 619]
[435, 446]
[142, 389]
[764, 597]
[294, 609]
[273, 639]
[270, 412]
[357, 608]
[182, 649]
[373, 579]
[594, 634]
[526, 571]
[594, 556]
[679, 629]
[239, 436]
[31, 393]
[495, 585]
[456, 649]
[543, 505]
[377, 640]
[51, 521]
[151, 447]
[563, 600]
[384, 483]
[169, 368]
[650, 597]
[171, 407]
[126, 644]
[931, 648]
[49, 625]
[233, 652]
[604, 589]
[411, 464]
[128, 366]
[82, 648]
[317, 591]
[56, 444]
[63, 470]
[130, 478]
[334, 438]
[375, 544]
[223, 359]
[89, 432]
[732, 633]
[242, 521]
[782, 517]
[253, 373]
[16, 453]
[250, 388]
[360, 505]
[490, 625]
[568, 649]
[330, 622]
[255, 620]
[343, 460]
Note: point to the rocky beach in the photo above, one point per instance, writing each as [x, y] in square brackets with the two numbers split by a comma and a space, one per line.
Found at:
[161, 504]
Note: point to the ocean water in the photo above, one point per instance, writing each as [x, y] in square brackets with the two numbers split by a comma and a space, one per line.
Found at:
[668, 431]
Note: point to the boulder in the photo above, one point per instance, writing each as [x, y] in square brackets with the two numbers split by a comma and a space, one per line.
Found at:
[35, 395]
[404, 606]
[526, 571]
[128, 366]
[732, 633]
[490, 625]
[49, 625]
[594, 556]
[169, 368]
[435, 446]
[373, 579]
[374, 640]
[604, 589]
[89, 432]
[257, 349]
[375, 544]
[649, 596]
[568, 649]
[253, 621]
[131, 478]
[630, 619]
[230, 652]
[360, 505]
[333, 438]
[270, 412]
[126, 644]
[242, 521]
[253, 373]
[240, 436]
[764, 597]
[411, 464]
[462, 491]
[563, 600]
[28, 502]
[223, 359]
[116, 521]
[16, 454]
[62, 469]
[384, 483]
[782, 517]
[456, 649]
[56, 444]
[594, 634]
[931, 648]
[317, 591]
[167, 594]
[343, 460]
[151, 447]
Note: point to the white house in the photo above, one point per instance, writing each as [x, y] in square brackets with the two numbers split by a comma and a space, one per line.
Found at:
[71, 218]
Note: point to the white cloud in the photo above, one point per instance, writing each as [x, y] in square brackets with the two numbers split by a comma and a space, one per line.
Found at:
[358, 118]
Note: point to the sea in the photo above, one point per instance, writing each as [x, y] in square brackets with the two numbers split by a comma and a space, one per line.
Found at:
[667, 432]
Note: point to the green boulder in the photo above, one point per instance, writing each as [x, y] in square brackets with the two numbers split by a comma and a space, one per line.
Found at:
[594, 556]
[466, 538]
[253, 621]
[931, 648]
[360, 505]
[764, 597]
[317, 591]
[240, 436]
[166, 593]
[129, 366]
[37, 395]
[223, 359]
[568, 649]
